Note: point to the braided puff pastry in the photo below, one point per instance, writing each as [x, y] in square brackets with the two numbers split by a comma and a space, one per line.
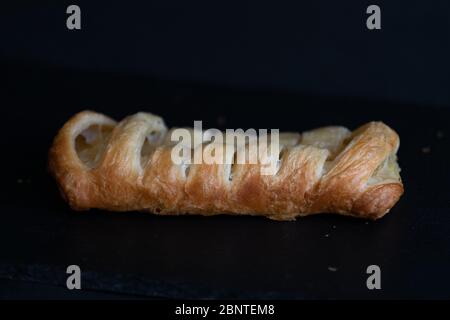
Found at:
[99, 163]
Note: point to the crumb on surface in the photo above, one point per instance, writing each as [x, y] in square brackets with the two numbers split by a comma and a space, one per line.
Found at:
[19, 181]
[426, 149]
[327, 235]
[332, 269]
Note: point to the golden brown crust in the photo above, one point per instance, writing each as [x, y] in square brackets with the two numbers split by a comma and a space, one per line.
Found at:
[123, 166]
[375, 202]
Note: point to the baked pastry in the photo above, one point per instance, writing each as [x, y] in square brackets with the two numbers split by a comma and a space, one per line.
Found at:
[127, 165]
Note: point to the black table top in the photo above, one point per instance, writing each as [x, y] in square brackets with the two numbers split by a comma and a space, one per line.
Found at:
[136, 254]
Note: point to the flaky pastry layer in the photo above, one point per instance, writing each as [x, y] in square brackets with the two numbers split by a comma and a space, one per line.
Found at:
[127, 165]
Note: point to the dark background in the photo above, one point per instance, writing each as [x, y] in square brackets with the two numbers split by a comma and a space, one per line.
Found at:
[315, 47]
[292, 66]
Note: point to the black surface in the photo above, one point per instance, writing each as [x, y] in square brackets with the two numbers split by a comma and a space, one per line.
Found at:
[224, 256]
[17, 290]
